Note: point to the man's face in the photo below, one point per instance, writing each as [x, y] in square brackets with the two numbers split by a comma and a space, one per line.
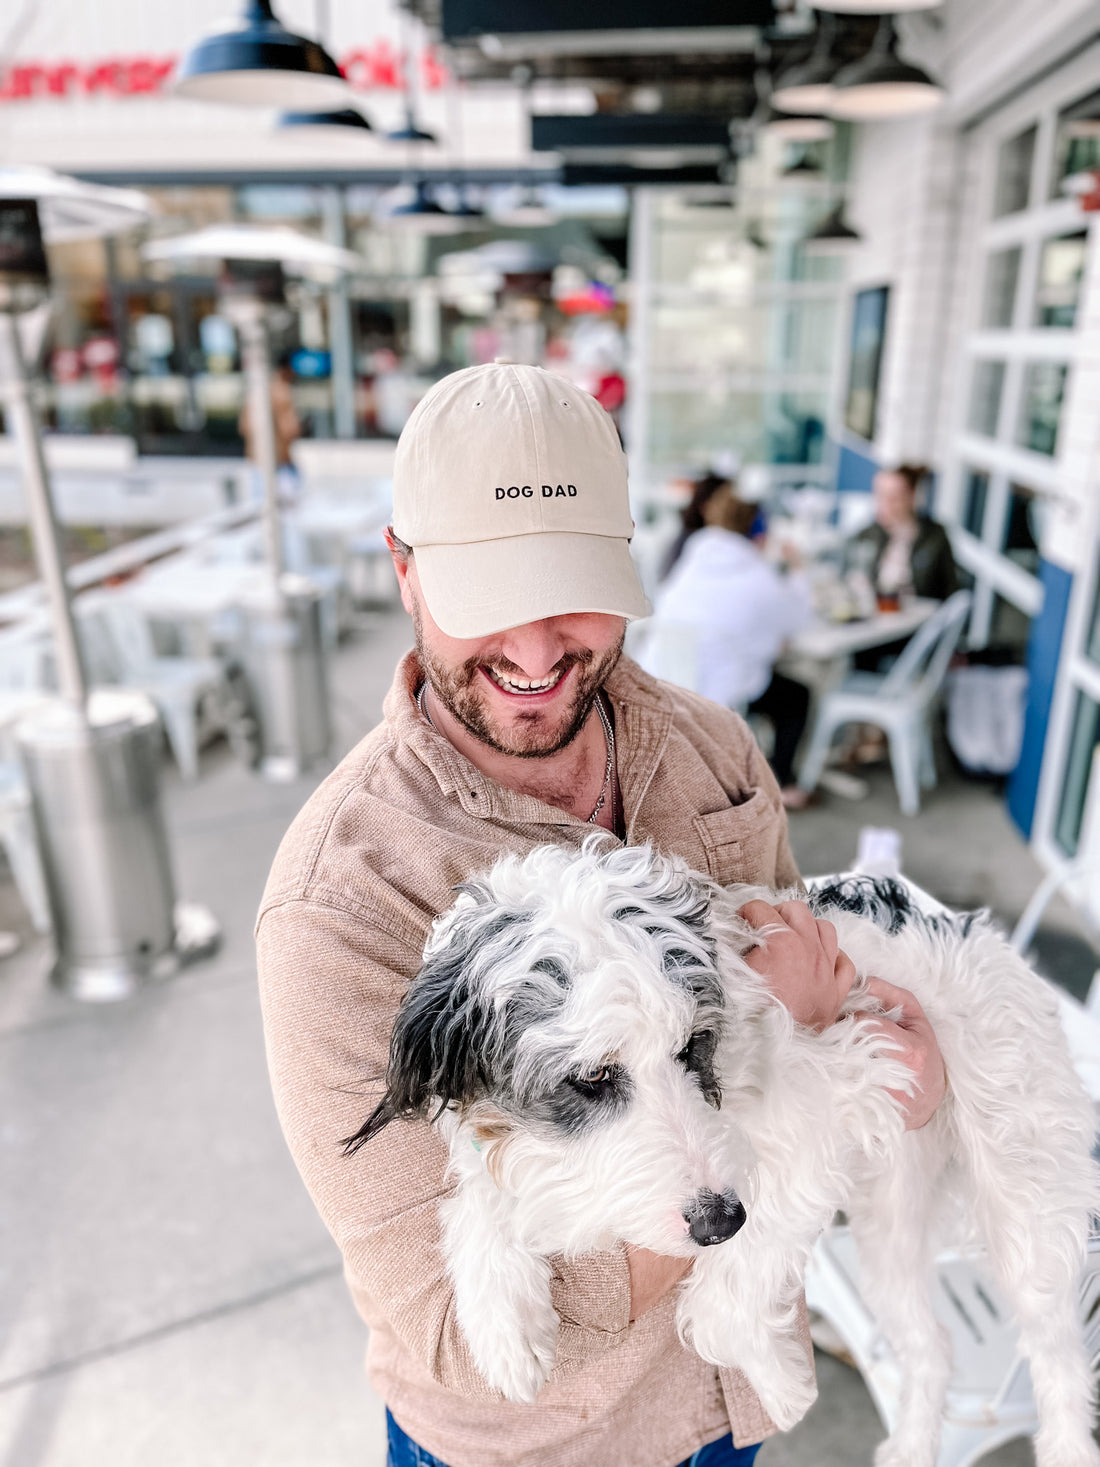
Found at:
[894, 500]
[526, 691]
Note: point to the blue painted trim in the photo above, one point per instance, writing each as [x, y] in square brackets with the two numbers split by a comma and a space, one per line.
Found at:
[854, 471]
[1044, 647]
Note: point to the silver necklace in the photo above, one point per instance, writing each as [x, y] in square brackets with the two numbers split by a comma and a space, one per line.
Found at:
[608, 733]
[420, 703]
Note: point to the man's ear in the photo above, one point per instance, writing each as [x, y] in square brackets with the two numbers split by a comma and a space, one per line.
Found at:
[401, 562]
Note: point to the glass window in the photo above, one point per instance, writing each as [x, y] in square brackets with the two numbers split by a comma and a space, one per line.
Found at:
[1021, 533]
[999, 297]
[1014, 159]
[985, 397]
[1009, 629]
[1092, 636]
[1041, 406]
[974, 501]
[1077, 143]
[1061, 270]
[1080, 764]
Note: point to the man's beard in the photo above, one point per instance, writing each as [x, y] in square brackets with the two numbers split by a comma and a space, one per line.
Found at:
[457, 688]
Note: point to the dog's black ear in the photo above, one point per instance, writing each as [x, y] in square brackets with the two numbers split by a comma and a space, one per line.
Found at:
[444, 1032]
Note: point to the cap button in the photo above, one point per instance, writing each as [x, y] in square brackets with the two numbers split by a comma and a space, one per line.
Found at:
[504, 362]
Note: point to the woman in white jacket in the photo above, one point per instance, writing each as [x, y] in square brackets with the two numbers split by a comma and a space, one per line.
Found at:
[741, 611]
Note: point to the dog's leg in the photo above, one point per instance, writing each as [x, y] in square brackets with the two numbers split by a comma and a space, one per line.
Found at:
[502, 1291]
[739, 1307]
[1034, 1227]
[890, 1223]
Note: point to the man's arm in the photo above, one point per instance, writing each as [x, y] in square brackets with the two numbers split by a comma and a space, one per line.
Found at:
[330, 985]
[810, 975]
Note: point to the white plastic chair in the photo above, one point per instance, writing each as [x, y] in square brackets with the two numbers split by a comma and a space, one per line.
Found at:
[24, 681]
[118, 646]
[989, 1398]
[900, 702]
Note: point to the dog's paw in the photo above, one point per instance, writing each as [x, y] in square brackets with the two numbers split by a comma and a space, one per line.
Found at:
[896, 1452]
[520, 1367]
[789, 1400]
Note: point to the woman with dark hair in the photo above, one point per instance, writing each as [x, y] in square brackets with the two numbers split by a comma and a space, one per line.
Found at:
[692, 516]
[903, 550]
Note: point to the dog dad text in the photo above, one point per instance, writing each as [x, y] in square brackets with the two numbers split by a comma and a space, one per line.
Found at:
[525, 491]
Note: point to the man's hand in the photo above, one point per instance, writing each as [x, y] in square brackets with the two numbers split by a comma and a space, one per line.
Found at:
[802, 962]
[811, 977]
[919, 1051]
[652, 1275]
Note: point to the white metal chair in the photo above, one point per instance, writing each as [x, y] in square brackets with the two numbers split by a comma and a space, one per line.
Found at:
[900, 702]
[118, 645]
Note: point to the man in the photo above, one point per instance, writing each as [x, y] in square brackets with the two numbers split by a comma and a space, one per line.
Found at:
[516, 721]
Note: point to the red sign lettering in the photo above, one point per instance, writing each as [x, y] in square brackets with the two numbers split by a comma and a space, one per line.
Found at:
[376, 66]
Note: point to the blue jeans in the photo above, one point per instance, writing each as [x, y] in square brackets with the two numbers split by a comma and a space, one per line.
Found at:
[403, 1452]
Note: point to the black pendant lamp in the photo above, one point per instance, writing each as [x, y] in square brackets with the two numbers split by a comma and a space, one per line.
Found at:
[808, 85]
[805, 127]
[346, 125]
[257, 62]
[423, 214]
[833, 236]
[881, 84]
[410, 131]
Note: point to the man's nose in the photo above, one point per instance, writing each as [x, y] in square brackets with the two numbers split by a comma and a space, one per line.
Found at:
[536, 647]
[713, 1217]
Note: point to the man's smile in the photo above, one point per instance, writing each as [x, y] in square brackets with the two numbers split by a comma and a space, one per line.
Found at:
[517, 686]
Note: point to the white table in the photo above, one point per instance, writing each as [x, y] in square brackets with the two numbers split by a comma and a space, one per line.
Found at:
[830, 641]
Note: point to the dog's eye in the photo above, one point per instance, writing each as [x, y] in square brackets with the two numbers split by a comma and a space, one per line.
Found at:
[595, 1081]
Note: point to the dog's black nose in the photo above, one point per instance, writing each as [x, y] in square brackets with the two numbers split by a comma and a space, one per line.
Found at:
[714, 1217]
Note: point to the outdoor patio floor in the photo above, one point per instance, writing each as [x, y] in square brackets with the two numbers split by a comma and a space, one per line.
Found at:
[169, 1297]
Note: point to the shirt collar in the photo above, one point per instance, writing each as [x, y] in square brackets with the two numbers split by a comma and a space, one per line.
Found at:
[642, 711]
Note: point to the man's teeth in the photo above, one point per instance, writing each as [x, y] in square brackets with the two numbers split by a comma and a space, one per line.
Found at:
[524, 684]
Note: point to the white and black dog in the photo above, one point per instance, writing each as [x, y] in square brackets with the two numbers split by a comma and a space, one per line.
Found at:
[606, 1068]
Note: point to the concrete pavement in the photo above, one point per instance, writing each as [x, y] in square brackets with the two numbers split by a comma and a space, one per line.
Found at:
[168, 1298]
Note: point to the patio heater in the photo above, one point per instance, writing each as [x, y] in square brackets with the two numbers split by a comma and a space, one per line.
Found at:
[92, 757]
[283, 652]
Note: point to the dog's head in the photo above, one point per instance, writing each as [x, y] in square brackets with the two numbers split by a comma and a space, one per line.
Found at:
[569, 1012]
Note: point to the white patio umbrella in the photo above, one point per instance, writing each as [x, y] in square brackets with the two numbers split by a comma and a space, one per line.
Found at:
[69, 208]
[299, 254]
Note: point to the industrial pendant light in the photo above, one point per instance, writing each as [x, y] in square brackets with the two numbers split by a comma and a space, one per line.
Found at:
[345, 126]
[874, 7]
[833, 236]
[803, 128]
[423, 214]
[410, 131]
[881, 84]
[257, 62]
[807, 86]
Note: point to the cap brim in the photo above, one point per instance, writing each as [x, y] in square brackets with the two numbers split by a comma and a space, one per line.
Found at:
[490, 585]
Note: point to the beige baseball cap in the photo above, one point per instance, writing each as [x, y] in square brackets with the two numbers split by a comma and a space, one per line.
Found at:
[510, 485]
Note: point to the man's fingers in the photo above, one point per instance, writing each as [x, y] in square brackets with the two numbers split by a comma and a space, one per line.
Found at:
[893, 997]
[760, 914]
[844, 971]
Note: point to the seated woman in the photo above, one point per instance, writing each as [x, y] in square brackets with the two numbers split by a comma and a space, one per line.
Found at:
[903, 551]
[743, 610]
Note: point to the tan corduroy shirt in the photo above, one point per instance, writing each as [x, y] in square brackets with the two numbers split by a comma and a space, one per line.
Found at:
[360, 875]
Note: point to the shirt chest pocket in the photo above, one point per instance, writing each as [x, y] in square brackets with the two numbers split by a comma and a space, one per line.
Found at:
[741, 842]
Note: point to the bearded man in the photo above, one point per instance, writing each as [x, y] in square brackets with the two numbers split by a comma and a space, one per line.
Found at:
[515, 721]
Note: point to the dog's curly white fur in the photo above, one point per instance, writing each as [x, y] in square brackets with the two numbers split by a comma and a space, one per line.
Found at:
[606, 1068]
